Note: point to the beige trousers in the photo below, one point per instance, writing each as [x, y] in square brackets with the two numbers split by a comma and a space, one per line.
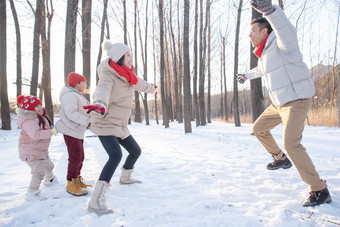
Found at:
[292, 115]
[39, 170]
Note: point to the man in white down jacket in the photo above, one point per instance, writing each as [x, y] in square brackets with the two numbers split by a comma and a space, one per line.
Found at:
[290, 88]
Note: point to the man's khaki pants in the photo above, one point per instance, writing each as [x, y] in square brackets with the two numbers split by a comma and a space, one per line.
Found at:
[292, 115]
[39, 170]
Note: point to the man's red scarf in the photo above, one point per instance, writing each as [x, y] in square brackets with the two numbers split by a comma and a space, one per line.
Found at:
[259, 48]
[125, 72]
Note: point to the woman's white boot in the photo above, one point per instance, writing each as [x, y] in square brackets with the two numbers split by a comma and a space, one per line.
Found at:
[97, 202]
[126, 178]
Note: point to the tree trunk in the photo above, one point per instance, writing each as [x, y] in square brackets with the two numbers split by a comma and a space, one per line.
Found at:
[257, 106]
[221, 81]
[202, 54]
[5, 116]
[186, 64]
[339, 97]
[125, 23]
[86, 50]
[18, 41]
[36, 36]
[196, 110]
[226, 114]
[70, 38]
[154, 63]
[138, 116]
[235, 99]
[46, 56]
[175, 72]
[209, 71]
[102, 29]
[167, 79]
[144, 55]
[162, 64]
[180, 67]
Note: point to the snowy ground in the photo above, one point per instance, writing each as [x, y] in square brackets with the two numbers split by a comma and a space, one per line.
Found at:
[215, 176]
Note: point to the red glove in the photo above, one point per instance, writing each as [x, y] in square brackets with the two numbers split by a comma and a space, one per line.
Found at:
[155, 86]
[95, 107]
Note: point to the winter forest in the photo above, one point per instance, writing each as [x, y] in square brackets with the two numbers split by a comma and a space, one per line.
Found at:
[201, 162]
[191, 49]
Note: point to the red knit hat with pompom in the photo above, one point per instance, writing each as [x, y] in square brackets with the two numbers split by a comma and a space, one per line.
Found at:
[74, 78]
[28, 102]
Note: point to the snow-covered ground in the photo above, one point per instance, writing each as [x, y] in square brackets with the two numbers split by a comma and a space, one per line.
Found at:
[215, 176]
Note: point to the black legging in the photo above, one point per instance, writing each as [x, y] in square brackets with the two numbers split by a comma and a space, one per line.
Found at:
[112, 148]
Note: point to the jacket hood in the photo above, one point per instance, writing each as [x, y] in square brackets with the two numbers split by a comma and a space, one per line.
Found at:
[24, 115]
[67, 89]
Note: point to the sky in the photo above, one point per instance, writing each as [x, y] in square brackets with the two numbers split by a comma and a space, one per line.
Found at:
[320, 24]
[214, 176]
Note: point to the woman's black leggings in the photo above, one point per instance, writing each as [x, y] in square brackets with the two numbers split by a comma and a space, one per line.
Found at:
[112, 148]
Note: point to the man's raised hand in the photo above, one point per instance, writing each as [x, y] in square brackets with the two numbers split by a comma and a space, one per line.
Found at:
[262, 6]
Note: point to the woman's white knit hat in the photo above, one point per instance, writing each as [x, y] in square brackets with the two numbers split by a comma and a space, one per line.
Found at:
[115, 50]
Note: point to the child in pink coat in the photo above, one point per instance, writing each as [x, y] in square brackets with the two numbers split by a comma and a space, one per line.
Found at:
[34, 140]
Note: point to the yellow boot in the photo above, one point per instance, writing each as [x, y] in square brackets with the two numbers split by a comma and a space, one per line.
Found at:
[73, 187]
[82, 182]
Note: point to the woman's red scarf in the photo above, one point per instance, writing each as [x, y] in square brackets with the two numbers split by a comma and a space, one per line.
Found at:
[259, 48]
[125, 72]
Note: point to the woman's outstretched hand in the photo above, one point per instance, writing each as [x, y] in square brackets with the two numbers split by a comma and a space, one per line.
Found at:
[96, 108]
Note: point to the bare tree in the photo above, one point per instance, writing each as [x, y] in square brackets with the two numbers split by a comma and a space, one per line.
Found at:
[162, 64]
[154, 62]
[209, 70]
[138, 115]
[180, 67]
[226, 116]
[235, 98]
[257, 106]
[18, 42]
[46, 55]
[175, 72]
[202, 57]
[145, 60]
[102, 31]
[125, 23]
[222, 68]
[186, 64]
[86, 50]
[334, 60]
[5, 117]
[196, 107]
[70, 38]
[36, 36]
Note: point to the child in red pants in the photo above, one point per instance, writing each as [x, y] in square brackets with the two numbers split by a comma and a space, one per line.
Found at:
[73, 123]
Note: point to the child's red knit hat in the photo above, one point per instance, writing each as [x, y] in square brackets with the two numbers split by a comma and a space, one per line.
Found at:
[28, 102]
[74, 78]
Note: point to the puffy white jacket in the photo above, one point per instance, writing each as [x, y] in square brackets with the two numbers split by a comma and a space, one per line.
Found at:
[73, 118]
[286, 76]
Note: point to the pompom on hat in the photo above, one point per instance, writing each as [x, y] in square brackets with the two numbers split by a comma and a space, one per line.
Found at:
[115, 51]
[74, 78]
[28, 102]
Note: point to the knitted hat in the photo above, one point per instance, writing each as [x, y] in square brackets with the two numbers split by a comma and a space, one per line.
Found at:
[28, 102]
[115, 50]
[74, 78]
